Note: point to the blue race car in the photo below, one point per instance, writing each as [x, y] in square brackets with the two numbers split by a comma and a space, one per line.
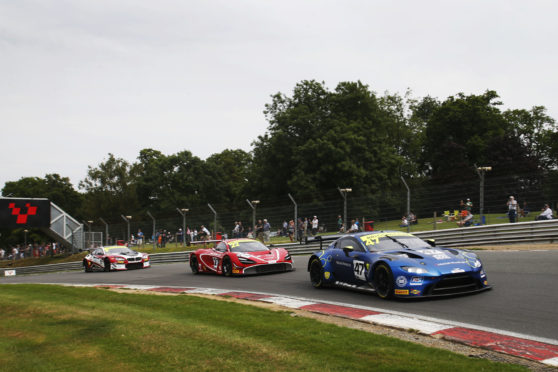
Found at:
[396, 264]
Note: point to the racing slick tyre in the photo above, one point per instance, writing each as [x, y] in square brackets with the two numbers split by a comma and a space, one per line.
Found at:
[227, 267]
[86, 266]
[107, 265]
[316, 273]
[194, 265]
[383, 281]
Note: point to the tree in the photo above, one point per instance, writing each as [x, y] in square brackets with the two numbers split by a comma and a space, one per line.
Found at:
[459, 133]
[537, 132]
[165, 183]
[110, 189]
[231, 170]
[318, 140]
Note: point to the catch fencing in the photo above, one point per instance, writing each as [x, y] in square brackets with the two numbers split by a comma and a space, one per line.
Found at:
[512, 233]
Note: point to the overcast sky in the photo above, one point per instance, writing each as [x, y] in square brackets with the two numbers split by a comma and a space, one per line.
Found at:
[80, 79]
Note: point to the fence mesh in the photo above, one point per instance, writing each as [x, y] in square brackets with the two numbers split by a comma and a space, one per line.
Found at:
[531, 191]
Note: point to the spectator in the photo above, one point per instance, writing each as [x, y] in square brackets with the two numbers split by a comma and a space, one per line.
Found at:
[354, 227]
[240, 230]
[266, 231]
[412, 218]
[180, 236]
[204, 233]
[249, 234]
[340, 224]
[300, 229]
[512, 209]
[285, 228]
[140, 237]
[404, 222]
[469, 205]
[291, 230]
[357, 222]
[236, 230]
[258, 230]
[467, 219]
[461, 205]
[314, 225]
[2, 253]
[545, 215]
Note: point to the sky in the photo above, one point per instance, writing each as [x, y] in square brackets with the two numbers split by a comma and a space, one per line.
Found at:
[82, 79]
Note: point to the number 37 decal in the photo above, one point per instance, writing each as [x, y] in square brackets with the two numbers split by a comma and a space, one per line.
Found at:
[359, 269]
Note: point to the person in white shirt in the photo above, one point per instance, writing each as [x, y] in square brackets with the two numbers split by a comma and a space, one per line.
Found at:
[354, 227]
[314, 225]
[546, 214]
[512, 208]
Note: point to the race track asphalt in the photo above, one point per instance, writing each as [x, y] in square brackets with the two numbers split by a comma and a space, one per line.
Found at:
[524, 299]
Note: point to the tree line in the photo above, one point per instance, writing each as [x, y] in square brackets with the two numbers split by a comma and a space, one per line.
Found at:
[317, 140]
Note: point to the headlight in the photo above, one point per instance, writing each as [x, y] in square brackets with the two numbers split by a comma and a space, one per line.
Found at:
[246, 260]
[477, 264]
[287, 257]
[414, 270]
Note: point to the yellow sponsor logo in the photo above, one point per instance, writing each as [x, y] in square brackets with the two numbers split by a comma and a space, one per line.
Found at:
[236, 271]
[415, 291]
[327, 274]
[401, 291]
[375, 238]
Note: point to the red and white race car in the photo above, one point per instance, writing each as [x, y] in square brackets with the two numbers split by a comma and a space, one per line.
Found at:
[240, 257]
[116, 257]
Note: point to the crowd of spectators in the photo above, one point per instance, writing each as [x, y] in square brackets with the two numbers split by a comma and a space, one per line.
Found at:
[35, 250]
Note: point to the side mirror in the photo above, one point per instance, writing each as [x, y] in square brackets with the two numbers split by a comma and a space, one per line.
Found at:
[432, 242]
[348, 249]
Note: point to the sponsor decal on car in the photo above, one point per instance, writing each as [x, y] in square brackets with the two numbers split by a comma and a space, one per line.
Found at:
[327, 274]
[457, 270]
[236, 271]
[415, 291]
[342, 263]
[401, 291]
[451, 263]
[401, 281]
[435, 253]
[416, 280]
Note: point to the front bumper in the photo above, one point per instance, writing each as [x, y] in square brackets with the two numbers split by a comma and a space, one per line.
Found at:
[264, 269]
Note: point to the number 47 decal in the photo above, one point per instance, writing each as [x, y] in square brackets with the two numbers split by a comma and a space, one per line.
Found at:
[359, 269]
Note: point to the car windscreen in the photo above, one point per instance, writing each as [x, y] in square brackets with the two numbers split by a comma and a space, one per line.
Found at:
[123, 250]
[247, 246]
[392, 241]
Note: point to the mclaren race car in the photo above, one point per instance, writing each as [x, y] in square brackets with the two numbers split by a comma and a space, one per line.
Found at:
[240, 257]
[115, 258]
[396, 264]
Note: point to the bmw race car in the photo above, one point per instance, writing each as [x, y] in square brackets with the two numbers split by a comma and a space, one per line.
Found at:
[116, 257]
[396, 264]
[240, 257]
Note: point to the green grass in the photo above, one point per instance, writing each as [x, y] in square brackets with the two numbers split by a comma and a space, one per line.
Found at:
[51, 328]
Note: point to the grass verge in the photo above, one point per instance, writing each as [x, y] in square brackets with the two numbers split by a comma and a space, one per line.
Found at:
[48, 328]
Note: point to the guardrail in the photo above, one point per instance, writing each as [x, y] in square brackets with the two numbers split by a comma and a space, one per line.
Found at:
[510, 233]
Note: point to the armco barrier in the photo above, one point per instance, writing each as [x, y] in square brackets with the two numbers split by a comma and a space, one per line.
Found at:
[510, 233]
[507, 233]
